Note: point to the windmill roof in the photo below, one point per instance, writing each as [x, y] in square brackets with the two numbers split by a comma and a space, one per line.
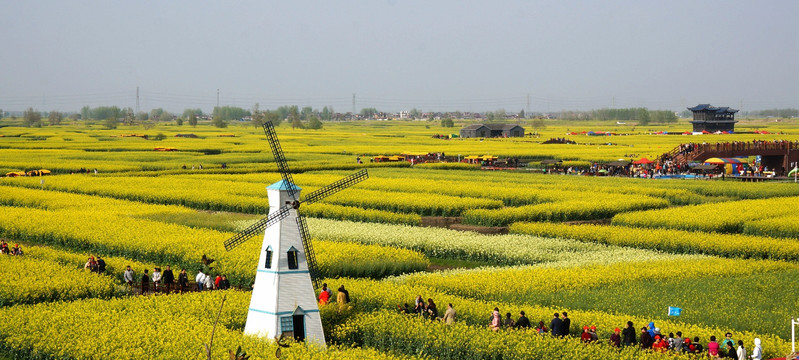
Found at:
[282, 185]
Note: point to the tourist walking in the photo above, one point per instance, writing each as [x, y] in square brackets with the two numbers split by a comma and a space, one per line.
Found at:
[741, 350]
[200, 279]
[566, 324]
[449, 315]
[615, 339]
[713, 348]
[324, 296]
[432, 309]
[541, 329]
[556, 325]
[100, 265]
[156, 279]
[496, 321]
[208, 282]
[757, 352]
[145, 282]
[727, 339]
[677, 342]
[731, 353]
[628, 334]
[128, 276]
[646, 339]
[183, 280]
[508, 323]
[168, 278]
[523, 322]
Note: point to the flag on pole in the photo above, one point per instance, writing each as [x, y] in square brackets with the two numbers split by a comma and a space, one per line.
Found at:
[674, 311]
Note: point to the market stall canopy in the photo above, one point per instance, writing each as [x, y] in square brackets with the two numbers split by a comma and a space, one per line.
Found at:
[488, 157]
[719, 161]
[643, 160]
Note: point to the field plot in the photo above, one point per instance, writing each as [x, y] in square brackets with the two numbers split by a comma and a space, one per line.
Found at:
[724, 252]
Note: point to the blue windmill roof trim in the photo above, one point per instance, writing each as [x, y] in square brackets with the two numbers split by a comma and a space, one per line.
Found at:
[282, 185]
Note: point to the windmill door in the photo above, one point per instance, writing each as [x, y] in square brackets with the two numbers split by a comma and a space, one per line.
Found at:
[299, 327]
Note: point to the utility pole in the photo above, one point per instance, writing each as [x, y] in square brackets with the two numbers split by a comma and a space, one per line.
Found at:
[217, 97]
[353, 104]
[137, 100]
[527, 114]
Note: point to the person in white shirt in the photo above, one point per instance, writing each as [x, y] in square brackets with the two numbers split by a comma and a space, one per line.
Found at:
[200, 279]
[156, 278]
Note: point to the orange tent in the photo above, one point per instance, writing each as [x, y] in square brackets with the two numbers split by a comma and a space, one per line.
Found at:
[643, 160]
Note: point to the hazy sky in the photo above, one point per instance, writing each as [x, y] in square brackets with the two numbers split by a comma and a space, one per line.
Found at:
[394, 55]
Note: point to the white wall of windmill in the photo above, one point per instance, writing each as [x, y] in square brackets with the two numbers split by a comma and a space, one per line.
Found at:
[278, 291]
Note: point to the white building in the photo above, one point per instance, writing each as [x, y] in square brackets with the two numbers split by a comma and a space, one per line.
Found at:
[283, 298]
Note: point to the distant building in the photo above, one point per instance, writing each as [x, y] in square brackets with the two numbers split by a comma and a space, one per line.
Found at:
[711, 119]
[492, 130]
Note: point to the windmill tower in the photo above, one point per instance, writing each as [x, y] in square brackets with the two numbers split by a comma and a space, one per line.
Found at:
[283, 300]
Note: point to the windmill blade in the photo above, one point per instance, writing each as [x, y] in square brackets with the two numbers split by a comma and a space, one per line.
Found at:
[257, 228]
[310, 258]
[280, 159]
[336, 187]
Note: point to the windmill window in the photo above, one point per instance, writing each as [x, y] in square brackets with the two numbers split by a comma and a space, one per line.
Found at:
[268, 262]
[286, 324]
[292, 257]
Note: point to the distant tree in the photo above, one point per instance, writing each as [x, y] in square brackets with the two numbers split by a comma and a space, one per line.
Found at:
[187, 113]
[273, 117]
[642, 115]
[314, 123]
[458, 115]
[111, 122]
[490, 116]
[521, 114]
[219, 122]
[230, 112]
[148, 124]
[193, 119]
[500, 115]
[414, 113]
[32, 118]
[306, 113]
[142, 116]
[447, 123]
[327, 113]
[159, 137]
[85, 112]
[74, 116]
[662, 116]
[283, 112]
[294, 118]
[368, 113]
[55, 118]
[257, 116]
[129, 116]
[179, 121]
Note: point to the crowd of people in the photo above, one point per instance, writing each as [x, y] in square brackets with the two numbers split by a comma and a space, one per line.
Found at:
[15, 250]
[95, 265]
[649, 338]
[165, 281]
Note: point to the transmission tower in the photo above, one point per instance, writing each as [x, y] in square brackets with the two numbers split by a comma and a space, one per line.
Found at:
[137, 100]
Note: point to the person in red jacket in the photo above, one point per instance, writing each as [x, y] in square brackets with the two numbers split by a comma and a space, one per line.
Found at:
[660, 345]
[586, 336]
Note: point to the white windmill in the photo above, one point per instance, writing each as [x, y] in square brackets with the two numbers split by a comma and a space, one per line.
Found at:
[283, 300]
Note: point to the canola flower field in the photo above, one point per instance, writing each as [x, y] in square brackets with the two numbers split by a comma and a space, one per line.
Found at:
[725, 252]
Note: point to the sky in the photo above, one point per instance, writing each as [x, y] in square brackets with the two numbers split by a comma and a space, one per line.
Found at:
[541, 56]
